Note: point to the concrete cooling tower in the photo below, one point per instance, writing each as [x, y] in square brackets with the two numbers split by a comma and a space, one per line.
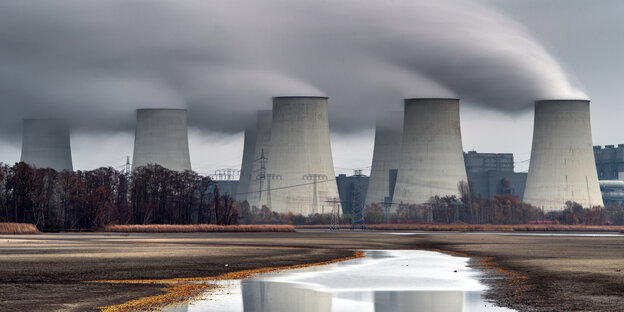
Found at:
[562, 166]
[161, 137]
[386, 155]
[300, 166]
[432, 159]
[259, 182]
[246, 166]
[45, 144]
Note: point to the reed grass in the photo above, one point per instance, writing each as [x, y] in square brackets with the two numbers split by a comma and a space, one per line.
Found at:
[482, 227]
[17, 228]
[172, 228]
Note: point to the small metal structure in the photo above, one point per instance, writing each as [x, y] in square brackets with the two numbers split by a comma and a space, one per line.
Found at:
[315, 177]
[226, 174]
[335, 214]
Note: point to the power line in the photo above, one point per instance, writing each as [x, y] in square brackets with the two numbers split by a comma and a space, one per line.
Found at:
[289, 186]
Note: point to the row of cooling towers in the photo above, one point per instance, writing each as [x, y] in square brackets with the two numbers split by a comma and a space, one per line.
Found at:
[161, 137]
[287, 160]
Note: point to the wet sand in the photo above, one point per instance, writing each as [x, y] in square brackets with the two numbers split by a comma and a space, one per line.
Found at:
[548, 273]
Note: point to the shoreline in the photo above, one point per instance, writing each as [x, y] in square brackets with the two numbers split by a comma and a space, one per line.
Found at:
[181, 290]
[45, 272]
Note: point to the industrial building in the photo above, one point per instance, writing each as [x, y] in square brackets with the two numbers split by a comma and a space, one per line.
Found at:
[612, 192]
[493, 174]
[226, 187]
[386, 156]
[562, 166]
[46, 144]
[609, 162]
[161, 137]
[300, 169]
[259, 182]
[353, 190]
[610, 169]
[432, 161]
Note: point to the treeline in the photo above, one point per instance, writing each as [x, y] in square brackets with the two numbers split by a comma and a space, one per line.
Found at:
[501, 209]
[88, 200]
[264, 215]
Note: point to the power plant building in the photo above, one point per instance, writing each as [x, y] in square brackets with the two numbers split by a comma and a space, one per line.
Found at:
[259, 181]
[353, 191]
[300, 172]
[610, 162]
[492, 174]
[46, 144]
[432, 162]
[562, 164]
[386, 156]
[161, 137]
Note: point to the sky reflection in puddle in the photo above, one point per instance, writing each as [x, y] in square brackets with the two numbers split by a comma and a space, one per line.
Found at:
[392, 280]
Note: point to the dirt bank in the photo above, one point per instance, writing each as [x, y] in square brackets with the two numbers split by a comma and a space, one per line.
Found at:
[46, 272]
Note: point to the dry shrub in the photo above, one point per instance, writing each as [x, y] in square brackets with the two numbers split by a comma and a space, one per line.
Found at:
[169, 228]
[17, 228]
[482, 227]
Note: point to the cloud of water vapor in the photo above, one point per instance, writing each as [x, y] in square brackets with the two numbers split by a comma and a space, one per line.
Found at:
[95, 62]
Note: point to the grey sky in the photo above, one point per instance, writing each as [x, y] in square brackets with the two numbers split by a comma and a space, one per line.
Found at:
[94, 62]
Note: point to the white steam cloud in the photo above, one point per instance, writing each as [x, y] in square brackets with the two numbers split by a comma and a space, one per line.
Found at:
[95, 62]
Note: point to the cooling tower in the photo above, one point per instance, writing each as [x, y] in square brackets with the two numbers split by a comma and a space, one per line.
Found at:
[432, 160]
[246, 166]
[161, 138]
[562, 166]
[257, 194]
[386, 155]
[300, 169]
[45, 144]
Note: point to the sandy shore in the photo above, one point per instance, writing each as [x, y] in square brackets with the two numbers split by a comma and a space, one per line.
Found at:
[527, 272]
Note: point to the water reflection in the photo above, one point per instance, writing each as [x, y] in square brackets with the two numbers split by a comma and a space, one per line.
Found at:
[382, 281]
[259, 296]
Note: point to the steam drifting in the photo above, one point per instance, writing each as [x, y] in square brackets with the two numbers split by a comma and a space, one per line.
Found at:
[95, 62]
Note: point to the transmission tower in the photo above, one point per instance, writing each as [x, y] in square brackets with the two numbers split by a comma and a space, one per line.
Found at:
[262, 175]
[127, 164]
[226, 174]
[387, 205]
[269, 177]
[356, 207]
[335, 215]
[314, 177]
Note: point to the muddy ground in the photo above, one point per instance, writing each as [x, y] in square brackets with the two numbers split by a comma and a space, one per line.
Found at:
[46, 272]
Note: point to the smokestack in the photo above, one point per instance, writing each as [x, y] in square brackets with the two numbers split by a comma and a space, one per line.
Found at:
[45, 144]
[246, 166]
[386, 156]
[257, 194]
[161, 137]
[300, 171]
[562, 166]
[432, 159]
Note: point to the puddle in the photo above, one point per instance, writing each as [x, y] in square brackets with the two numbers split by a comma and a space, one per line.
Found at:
[405, 280]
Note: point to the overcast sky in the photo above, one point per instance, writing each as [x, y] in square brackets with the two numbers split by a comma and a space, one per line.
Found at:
[95, 62]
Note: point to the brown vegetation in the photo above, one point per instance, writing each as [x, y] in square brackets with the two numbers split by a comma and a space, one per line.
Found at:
[162, 228]
[88, 200]
[497, 228]
[481, 227]
[185, 289]
[17, 228]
